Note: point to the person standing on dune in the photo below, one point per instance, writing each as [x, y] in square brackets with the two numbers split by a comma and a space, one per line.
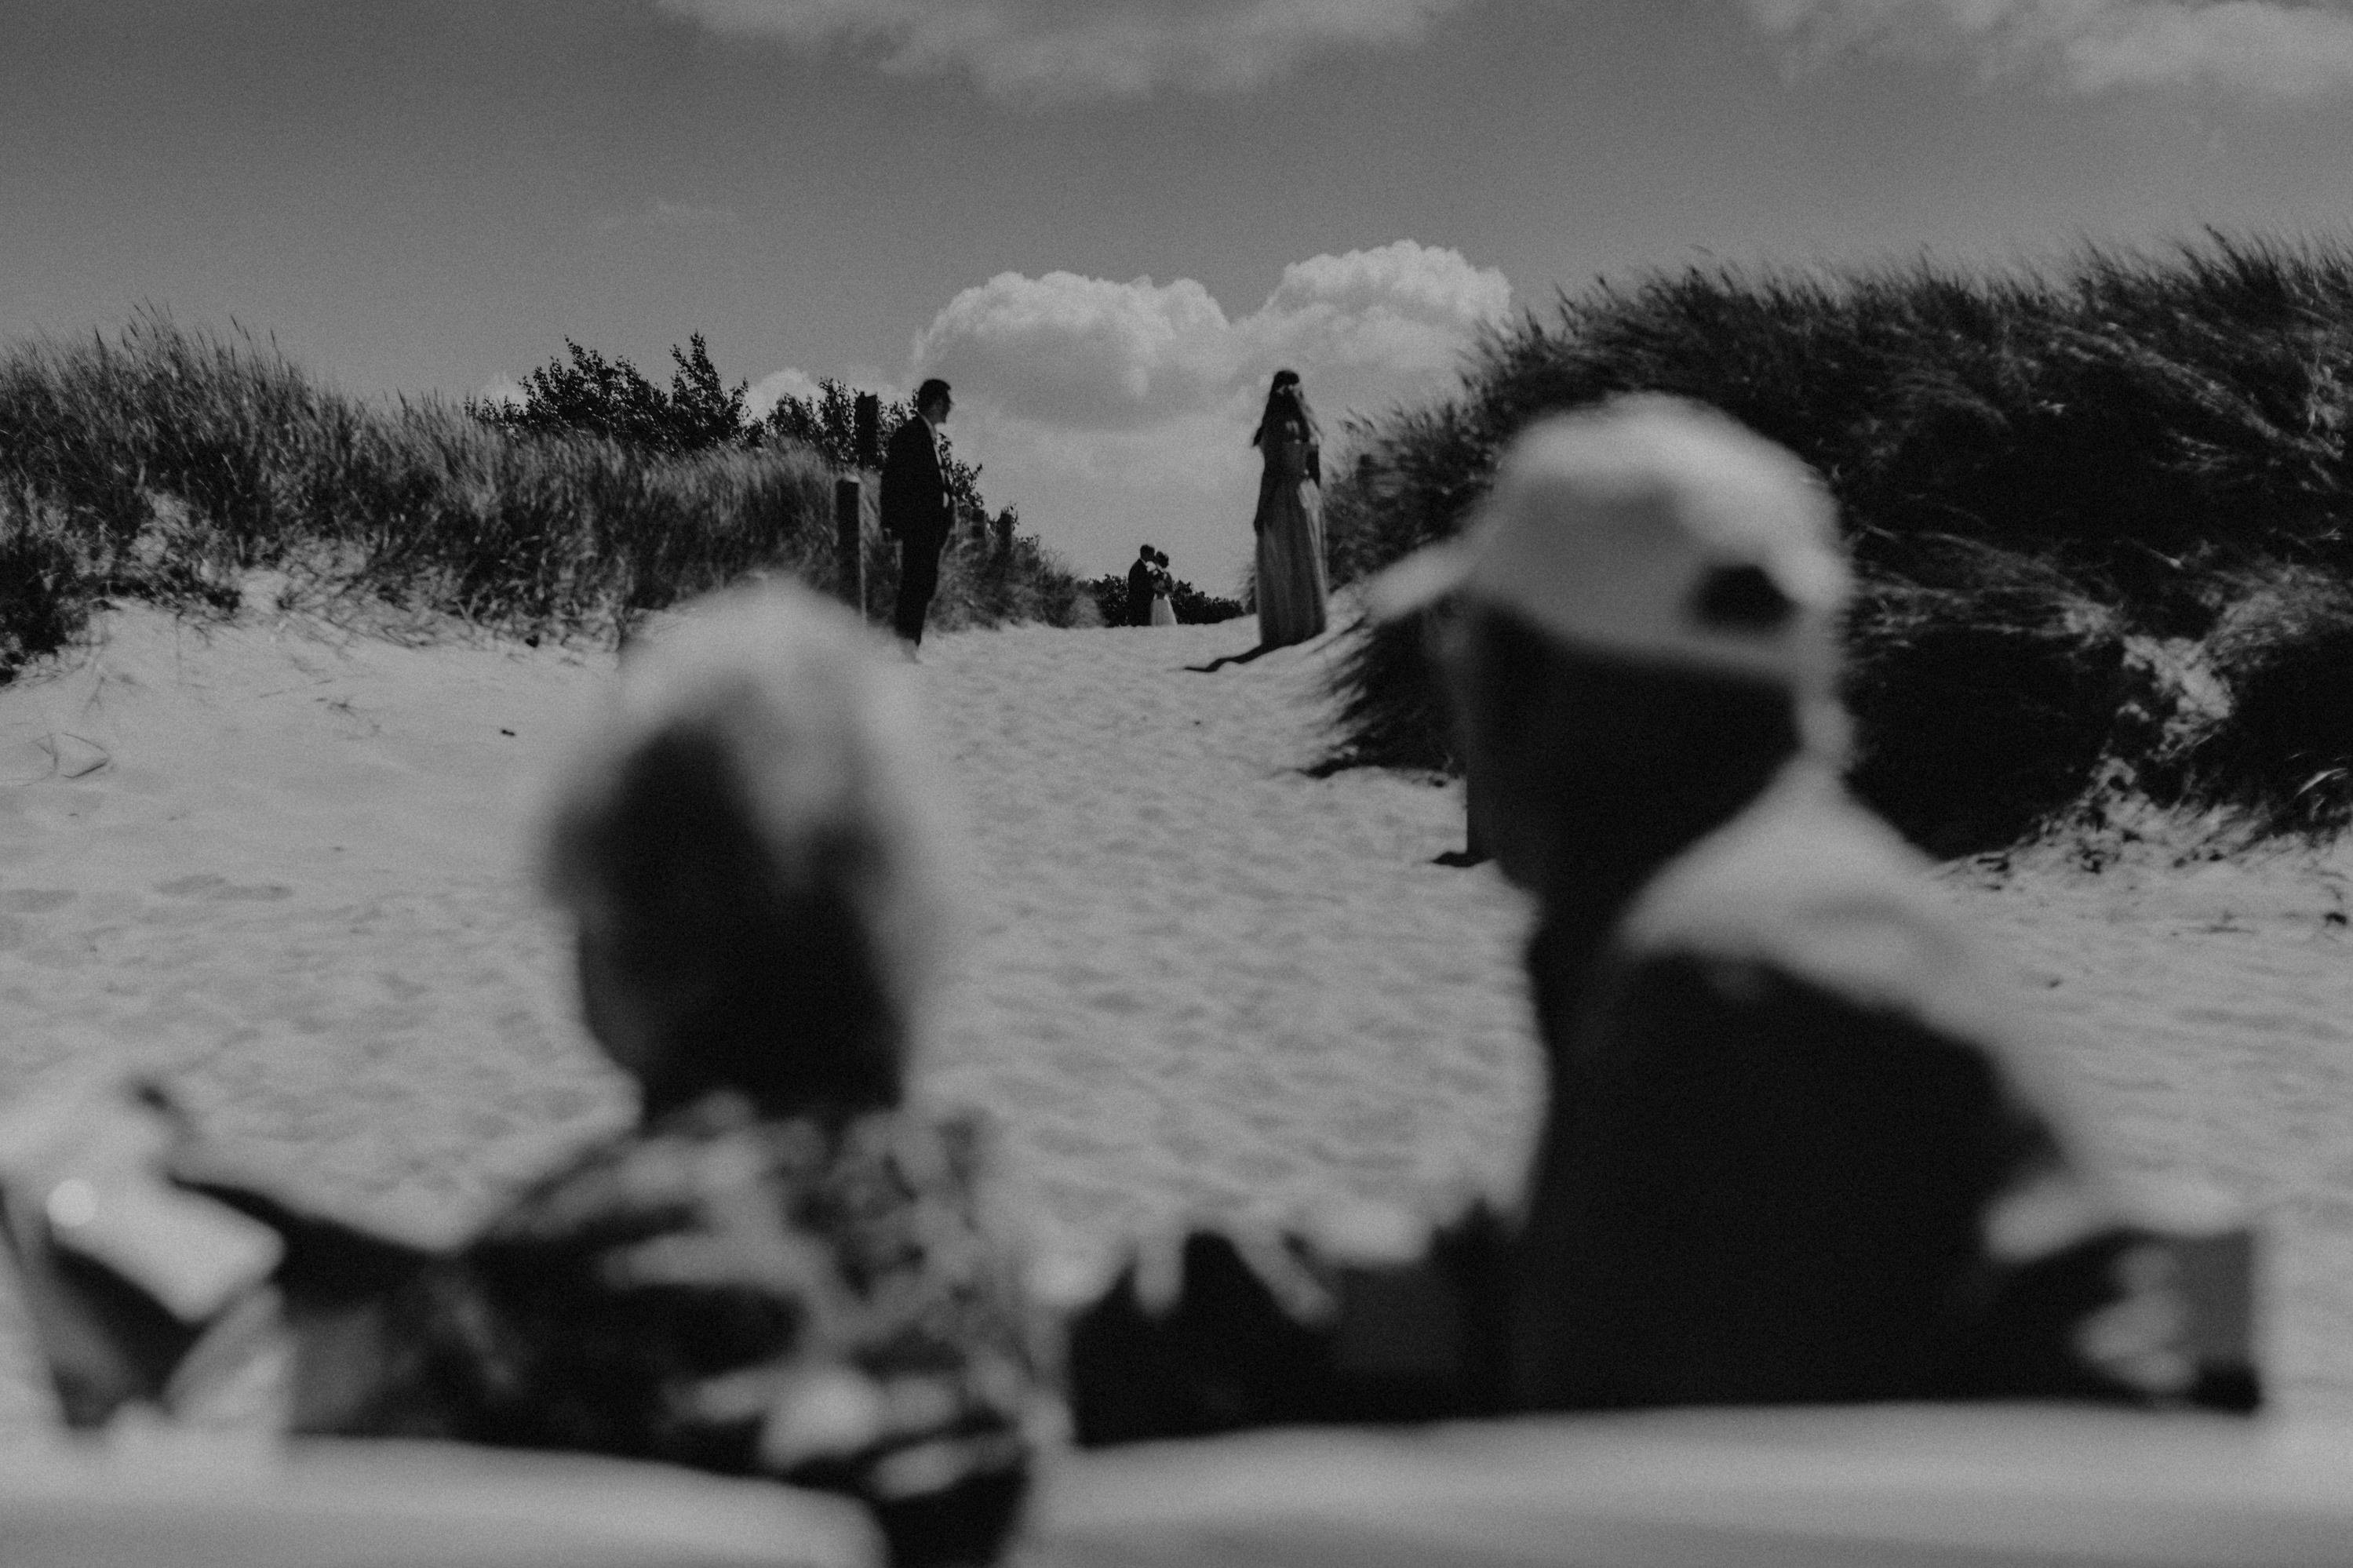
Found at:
[917, 510]
[1289, 523]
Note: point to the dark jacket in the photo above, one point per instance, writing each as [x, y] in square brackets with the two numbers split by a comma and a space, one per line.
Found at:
[915, 506]
[1799, 1149]
[1139, 592]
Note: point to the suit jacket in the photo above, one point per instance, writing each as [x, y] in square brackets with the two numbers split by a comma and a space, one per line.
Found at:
[915, 506]
[1139, 593]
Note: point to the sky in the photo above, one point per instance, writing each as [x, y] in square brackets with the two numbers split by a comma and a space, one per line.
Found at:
[1106, 223]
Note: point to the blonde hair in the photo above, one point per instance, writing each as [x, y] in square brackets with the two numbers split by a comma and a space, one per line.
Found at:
[755, 833]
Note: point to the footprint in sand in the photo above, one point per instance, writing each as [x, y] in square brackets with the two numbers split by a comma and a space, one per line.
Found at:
[220, 889]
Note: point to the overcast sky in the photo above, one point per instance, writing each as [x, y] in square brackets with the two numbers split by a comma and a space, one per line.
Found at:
[1106, 223]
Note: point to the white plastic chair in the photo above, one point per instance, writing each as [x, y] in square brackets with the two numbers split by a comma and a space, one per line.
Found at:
[188, 1503]
[1885, 1487]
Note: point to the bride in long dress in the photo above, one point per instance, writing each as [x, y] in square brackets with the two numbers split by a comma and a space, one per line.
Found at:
[1163, 609]
[1291, 584]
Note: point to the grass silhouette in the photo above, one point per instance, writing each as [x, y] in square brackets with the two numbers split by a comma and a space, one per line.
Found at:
[2036, 469]
[161, 464]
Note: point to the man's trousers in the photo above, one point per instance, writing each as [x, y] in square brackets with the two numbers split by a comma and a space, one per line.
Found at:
[918, 577]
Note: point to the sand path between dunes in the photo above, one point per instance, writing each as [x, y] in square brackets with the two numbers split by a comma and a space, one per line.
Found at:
[290, 868]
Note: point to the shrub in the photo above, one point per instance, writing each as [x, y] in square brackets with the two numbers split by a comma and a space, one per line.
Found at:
[2146, 427]
[2282, 755]
[986, 580]
[1391, 706]
[1194, 608]
[45, 585]
[611, 399]
[161, 464]
[1984, 697]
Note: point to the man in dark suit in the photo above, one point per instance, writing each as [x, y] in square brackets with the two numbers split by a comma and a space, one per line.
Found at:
[917, 510]
[1139, 589]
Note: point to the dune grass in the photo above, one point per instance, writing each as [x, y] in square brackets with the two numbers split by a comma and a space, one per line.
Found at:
[161, 464]
[2035, 469]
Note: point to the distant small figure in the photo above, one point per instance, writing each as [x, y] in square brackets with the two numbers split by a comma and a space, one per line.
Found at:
[1163, 609]
[917, 510]
[1139, 586]
[1291, 583]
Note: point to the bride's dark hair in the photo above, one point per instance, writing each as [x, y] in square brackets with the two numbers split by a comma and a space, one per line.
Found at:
[1284, 400]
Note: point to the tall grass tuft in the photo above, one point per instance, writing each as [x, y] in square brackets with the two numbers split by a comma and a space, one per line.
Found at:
[1391, 711]
[1986, 691]
[2146, 428]
[162, 463]
[2282, 758]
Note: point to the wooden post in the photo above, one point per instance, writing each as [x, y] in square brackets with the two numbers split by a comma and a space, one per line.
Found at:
[866, 417]
[849, 545]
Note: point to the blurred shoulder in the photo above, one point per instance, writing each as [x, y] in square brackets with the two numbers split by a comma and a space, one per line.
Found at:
[1808, 883]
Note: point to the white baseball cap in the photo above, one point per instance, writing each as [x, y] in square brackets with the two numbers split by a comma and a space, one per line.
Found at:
[1654, 527]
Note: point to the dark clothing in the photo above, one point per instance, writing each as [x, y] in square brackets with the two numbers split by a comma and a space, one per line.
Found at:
[890, 1305]
[1140, 578]
[865, 1332]
[919, 579]
[1292, 584]
[915, 506]
[1797, 1149]
[916, 510]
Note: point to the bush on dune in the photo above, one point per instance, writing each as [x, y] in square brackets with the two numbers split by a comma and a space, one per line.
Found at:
[163, 463]
[44, 581]
[1193, 607]
[1391, 711]
[1985, 692]
[2282, 758]
[2032, 468]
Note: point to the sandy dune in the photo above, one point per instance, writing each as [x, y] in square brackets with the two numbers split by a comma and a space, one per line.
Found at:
[289, 867]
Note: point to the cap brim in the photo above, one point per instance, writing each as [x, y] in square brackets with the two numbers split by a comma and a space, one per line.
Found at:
[1419, 581]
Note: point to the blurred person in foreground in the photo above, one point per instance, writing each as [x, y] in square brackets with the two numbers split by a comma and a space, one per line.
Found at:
[1798, 1144]
[783, 1270]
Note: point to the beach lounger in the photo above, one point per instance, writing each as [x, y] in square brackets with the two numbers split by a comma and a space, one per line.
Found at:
[224, 1502]
[1848, 1487]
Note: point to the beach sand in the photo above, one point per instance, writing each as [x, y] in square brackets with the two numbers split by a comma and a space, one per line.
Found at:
[288, 867]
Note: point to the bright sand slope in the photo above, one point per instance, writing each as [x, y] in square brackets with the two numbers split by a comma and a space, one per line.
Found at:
[292, 867]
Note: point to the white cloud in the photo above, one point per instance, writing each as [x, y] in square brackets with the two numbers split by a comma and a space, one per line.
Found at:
[770, 390]
[500, 391]
[1365, 327]
[1054, 51]
[2262, 49]
[1082, 350]
[1374, 326]
[1115, 411]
